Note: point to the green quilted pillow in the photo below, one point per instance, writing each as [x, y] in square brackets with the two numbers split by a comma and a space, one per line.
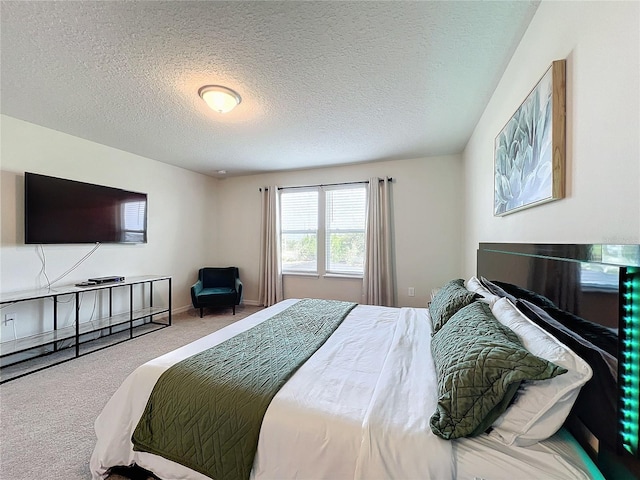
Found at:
[480, 365]
[447, 301]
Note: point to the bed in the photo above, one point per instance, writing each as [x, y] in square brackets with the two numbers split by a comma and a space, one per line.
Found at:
[361, 407]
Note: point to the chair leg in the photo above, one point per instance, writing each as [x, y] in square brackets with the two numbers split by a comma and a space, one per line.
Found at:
[200, 312]
[234, 309]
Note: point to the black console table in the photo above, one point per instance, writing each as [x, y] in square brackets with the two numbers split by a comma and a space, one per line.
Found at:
[125, 325]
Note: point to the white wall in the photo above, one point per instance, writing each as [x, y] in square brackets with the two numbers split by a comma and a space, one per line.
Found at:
[601, 43]
[195, 220]
[426, 199]
[181, 212]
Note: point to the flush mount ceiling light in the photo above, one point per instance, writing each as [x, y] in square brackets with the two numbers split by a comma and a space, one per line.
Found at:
[221, 99]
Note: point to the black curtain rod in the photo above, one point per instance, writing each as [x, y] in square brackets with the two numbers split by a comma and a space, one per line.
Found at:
[328, 184]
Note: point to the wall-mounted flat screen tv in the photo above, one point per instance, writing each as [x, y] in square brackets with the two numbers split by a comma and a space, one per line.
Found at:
[61, 211]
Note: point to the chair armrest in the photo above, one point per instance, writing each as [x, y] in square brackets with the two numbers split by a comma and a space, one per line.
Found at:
[196, 288]
[239, 290]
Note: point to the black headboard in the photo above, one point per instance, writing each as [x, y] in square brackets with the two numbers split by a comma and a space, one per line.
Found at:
[600, 284]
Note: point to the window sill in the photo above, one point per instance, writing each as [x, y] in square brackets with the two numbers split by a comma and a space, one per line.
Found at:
[326, 275]
[343, 275]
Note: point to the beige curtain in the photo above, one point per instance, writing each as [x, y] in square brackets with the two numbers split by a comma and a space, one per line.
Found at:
[378, 268]
[270, 285]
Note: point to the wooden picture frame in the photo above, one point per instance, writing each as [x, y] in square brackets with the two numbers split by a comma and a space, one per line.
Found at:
[529, 152]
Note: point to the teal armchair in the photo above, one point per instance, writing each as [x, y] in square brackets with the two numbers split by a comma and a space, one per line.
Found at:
[217, 287]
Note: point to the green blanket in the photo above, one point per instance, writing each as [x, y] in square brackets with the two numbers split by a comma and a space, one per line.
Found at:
[205, 412]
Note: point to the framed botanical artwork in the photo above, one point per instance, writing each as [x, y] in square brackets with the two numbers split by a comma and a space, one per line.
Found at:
[529, 155]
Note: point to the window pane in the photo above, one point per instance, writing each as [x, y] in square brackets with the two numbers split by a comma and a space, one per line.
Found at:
[595, 277]
[345, 253]
[133, 215]
[621, 254]
[299, 210]
[299, 252]
[299, 218]
[346, 208]
[345, 213]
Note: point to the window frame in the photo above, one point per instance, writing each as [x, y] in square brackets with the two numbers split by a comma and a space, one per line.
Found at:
[299, 232]
[327, 231]
[323, 232]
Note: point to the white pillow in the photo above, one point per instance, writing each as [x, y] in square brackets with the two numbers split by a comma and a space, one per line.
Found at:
[474, 285]
[540, 407]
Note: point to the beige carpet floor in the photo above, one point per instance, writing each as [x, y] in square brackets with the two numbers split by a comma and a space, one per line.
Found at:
[46, 418]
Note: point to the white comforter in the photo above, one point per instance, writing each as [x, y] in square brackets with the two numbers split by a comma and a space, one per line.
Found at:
[358, 408]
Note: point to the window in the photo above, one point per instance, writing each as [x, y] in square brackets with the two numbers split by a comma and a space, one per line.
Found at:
[345, 222]
[604, 277]
[299, 230]
[133, 216]
[323, 229]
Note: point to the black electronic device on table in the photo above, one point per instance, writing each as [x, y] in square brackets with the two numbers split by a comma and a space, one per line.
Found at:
[101, 280]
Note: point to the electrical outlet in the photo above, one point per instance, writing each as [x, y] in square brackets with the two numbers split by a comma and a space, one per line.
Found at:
[412, 292]
[10, 317]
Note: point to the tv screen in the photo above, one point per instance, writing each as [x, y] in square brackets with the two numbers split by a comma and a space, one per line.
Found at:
[66, 211]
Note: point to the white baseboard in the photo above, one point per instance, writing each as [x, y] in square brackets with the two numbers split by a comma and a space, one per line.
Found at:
[253, 303]
[174, 311]
[181, 309]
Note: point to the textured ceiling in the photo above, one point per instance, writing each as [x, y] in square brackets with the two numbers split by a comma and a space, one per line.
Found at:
[322, 82]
